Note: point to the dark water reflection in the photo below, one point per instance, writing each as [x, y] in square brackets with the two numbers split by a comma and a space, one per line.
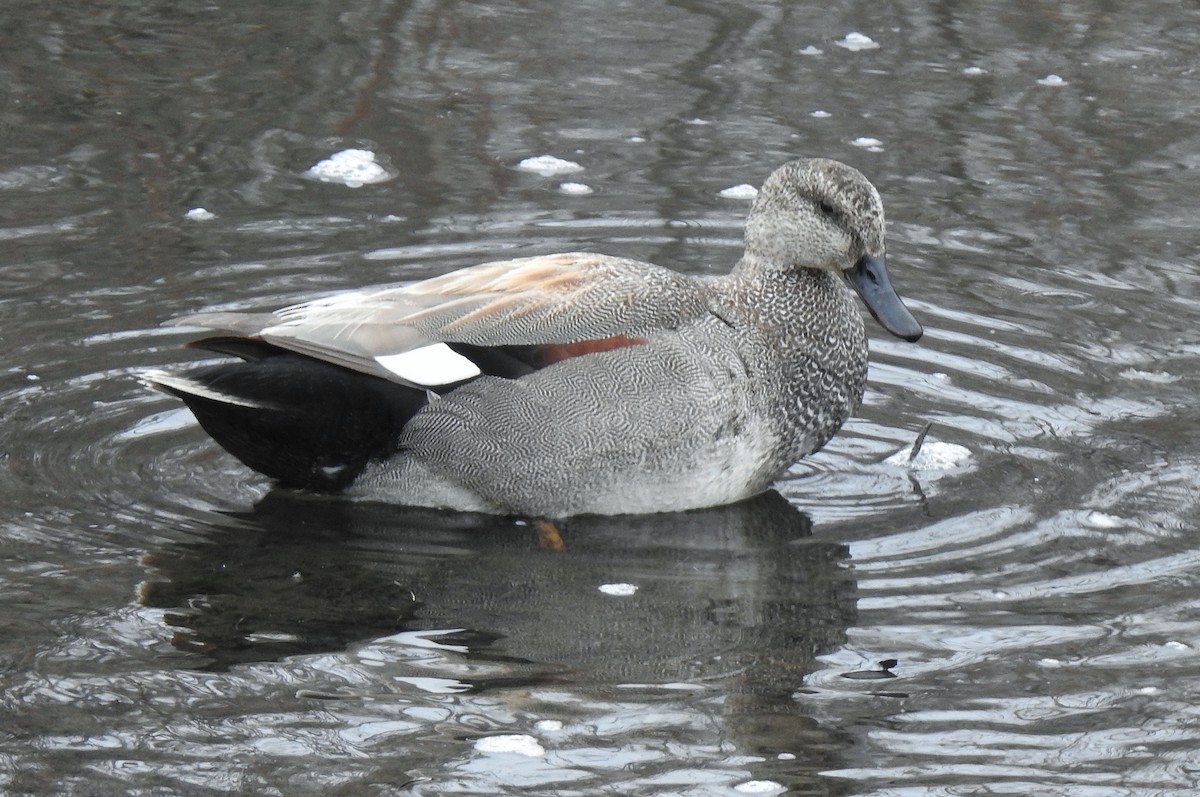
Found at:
[172, 626]
[301, 575]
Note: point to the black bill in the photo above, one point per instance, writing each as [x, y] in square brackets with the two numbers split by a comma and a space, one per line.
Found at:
[869, 279]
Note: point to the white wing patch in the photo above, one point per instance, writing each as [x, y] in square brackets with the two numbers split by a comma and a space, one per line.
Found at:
[432, 365]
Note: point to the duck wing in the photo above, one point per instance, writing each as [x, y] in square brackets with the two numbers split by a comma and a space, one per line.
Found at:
[437, 331]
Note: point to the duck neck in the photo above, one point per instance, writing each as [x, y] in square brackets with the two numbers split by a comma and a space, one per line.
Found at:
[809, 323]
[799, 302]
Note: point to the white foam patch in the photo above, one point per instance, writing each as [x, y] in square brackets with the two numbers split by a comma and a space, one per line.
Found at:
[759, 787]
[934, 455]
[820, 114]
[620, 590]
[199, 214]
[1102, 520]
[974, 70]
[743, 191]
[350, 167]
[811, 50]
[855, 41]
[436, 364]
[576, 189]
[1156, 377]
[548, 166]
[518, 743]
[868, 143]
[1052, 80]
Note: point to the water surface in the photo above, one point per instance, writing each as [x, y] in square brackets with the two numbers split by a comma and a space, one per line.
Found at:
[1022, 623]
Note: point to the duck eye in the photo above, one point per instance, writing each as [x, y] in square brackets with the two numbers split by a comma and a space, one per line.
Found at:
[826, 207]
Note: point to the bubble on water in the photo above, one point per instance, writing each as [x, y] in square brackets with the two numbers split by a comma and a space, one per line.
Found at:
[1052, 80]
[868, 143]
[820, 114]
[974, 70]
[199, 214]
[811, 50]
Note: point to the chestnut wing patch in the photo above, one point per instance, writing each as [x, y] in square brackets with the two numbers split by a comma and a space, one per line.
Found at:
[513, 362]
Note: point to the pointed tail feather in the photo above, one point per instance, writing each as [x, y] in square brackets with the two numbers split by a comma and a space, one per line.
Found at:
[302, 422]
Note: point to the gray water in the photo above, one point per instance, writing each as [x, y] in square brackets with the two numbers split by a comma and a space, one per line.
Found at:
[1023, 622]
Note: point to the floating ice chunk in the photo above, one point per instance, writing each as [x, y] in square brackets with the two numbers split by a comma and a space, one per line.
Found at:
[549, 726]
[974, 70]
[576, 189]
[518, 743]
[759, 787]
[350, 167]
[933, 455]
[620, 590]
[743, 191]
[1157, 377]
[548, 166]
[1052, 80]
[811, 50]
[199, 214]
[856, 41]
[1102, 520]
[820, 114]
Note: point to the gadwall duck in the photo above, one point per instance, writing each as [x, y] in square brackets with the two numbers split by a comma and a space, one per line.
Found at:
[567, 384]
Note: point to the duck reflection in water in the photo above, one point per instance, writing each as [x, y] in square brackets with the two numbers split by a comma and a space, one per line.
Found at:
[302, 575]
[739, 598]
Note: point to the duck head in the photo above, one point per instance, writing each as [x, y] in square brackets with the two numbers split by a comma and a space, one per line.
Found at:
[825, 215]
